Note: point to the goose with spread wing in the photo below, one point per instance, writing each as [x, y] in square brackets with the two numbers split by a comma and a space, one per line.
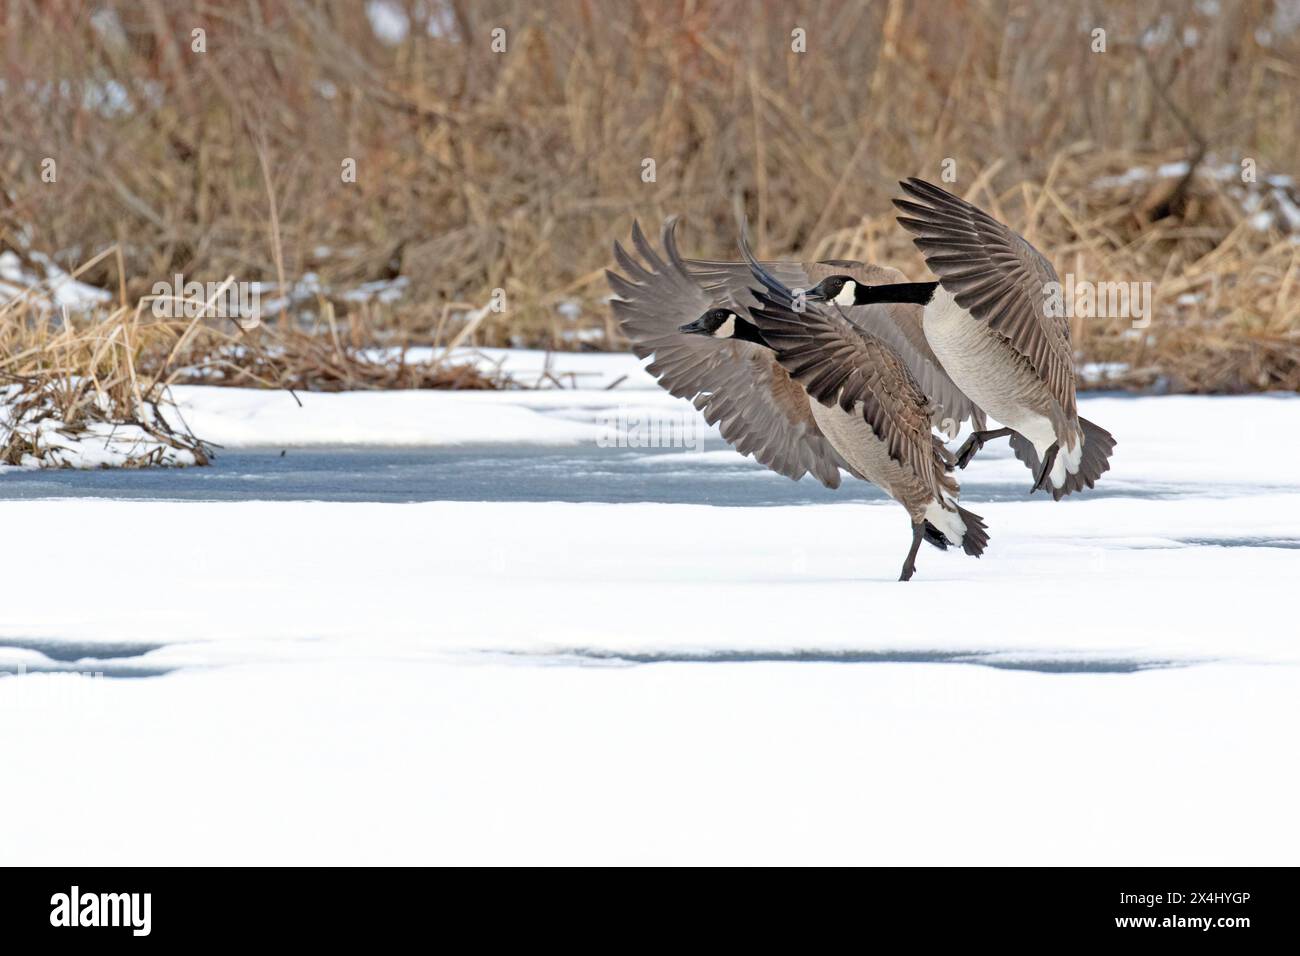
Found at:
[897, 324]
[802, 392]
[987, 320]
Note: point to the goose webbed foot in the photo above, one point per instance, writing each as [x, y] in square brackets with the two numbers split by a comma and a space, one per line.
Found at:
[909, 566]
[968, 450]
[975, 442]
[1045, 472]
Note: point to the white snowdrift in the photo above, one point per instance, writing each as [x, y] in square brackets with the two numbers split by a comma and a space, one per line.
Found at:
[31, 423]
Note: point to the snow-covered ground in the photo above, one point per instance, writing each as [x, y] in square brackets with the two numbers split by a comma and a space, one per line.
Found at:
[1117, 680]
[535, 368]
[54, 290]
[32, 422]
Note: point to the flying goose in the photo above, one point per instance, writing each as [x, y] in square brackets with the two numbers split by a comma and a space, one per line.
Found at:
[986, 320]
[709, 348]
[897, 324]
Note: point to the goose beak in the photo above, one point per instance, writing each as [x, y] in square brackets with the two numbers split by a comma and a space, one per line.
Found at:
[816, 293]
[693, 328]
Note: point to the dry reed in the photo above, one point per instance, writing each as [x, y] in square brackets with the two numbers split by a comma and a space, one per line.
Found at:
[478, 171]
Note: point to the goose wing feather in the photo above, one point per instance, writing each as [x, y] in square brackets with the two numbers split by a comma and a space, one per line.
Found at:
[898, 325]
[841, 364]
[997, 276]
[738, 385]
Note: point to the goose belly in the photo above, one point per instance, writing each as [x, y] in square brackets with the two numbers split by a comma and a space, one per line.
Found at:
[851, 436]
[986, 368]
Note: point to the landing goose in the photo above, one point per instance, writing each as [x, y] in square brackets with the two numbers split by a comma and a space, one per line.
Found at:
[708, 347]
[986, 320]
[897, 324]
[732, 378]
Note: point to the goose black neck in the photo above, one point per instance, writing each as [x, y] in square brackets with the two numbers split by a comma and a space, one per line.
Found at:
[917, 292]
[748, 332]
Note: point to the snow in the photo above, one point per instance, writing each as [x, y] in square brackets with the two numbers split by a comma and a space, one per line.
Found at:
[404, 678]
[384, 291]
[388, 21]
[1117, 681]
[548, 414]
[309, 287]
[535, 368]
[109, 98]
[1255, 197]
[580, 575]
[241, 418]
[501, 764]
[1099, 372]
[97, 445]
[390, 24]
[55, 289]
[1206, 441]
[95, 441]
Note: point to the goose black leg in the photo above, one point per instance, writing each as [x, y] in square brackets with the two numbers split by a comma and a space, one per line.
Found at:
[976, 442]
[1048, 460]
[909, 566]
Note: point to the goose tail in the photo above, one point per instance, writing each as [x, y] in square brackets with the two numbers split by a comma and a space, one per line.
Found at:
[1094, 458]
[976, 538]
[1098, 445]
[960, 527]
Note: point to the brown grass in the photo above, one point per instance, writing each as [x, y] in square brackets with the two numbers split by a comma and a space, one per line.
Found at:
[85, 373]
[1226, 296]
[129, 356]
[479, 171]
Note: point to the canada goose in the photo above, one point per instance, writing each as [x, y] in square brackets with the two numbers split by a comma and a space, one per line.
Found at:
[898, 325]
[986, 321]
[869, 417]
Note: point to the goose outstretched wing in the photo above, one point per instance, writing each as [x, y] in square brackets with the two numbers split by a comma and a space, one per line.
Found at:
[997, 276]
[738, 385]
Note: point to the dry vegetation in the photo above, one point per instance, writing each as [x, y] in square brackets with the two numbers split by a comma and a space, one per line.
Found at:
[64, 380]
[479, 170]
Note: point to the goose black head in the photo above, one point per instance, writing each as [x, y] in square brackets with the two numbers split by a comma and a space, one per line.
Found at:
[842, 290]
[719, 323]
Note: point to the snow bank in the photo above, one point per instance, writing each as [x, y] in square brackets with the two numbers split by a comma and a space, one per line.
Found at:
[536, 368]
[34, 435]
[55, 289]
[240, 417]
